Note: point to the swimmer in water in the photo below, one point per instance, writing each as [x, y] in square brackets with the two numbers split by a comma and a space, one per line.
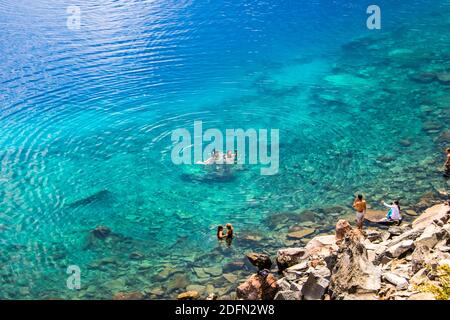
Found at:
[220, 234]
[230, 233]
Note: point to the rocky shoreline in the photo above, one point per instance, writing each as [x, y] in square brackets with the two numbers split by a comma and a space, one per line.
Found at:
[406, 262]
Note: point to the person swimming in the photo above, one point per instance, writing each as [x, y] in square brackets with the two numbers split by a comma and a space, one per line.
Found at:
[229, 234]
[394, 211]
[214, 159]
[220, 234]
[229, 157]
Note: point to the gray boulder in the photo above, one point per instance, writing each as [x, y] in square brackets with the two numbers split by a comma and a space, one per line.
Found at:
[289, 257]
[400, 248]
[399, 282]
[288, 295]
[354, 274]
[317, 284]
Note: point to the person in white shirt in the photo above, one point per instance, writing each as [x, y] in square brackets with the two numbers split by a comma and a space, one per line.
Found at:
[394, 211]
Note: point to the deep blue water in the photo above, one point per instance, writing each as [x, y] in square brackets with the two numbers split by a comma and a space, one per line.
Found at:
[88, 113]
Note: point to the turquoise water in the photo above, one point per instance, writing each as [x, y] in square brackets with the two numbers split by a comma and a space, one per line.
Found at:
[86, 117]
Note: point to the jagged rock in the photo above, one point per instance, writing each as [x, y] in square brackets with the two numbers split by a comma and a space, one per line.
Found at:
[420, 255]
[283, 284]
[128, 296]
[315, 287]
[407, 235]
[420, 277]
[430, 236]
[436, 212]
[395, 231]
[289, 257]
[288, 295]
[397, 250]
[101, 232]
[399, 282]
[259, 260]
[297, 286]
[342, 228]
[189, 295]
[354, 274]
[377, 235]
[321, 245]
[258, 287]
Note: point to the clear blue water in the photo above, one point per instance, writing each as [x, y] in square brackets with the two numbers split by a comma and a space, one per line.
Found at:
[88, 113]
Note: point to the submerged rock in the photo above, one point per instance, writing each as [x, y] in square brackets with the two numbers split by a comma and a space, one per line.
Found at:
[128, 296]
[443, 78]
[423, 77]
[188, 295]
[101, 232]
[299, 234]
[101, 195]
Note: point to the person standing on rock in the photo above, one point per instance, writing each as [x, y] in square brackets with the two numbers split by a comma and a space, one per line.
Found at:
[360, 206]
[447, 164]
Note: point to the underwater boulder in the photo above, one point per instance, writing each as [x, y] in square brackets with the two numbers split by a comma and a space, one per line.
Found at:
[101, 232]
[443, 78]
[102, 195]
[422, 77]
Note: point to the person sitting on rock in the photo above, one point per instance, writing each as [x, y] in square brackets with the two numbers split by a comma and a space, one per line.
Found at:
[447, 164]
[360, 206]
[220, 234]
[394, 211]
